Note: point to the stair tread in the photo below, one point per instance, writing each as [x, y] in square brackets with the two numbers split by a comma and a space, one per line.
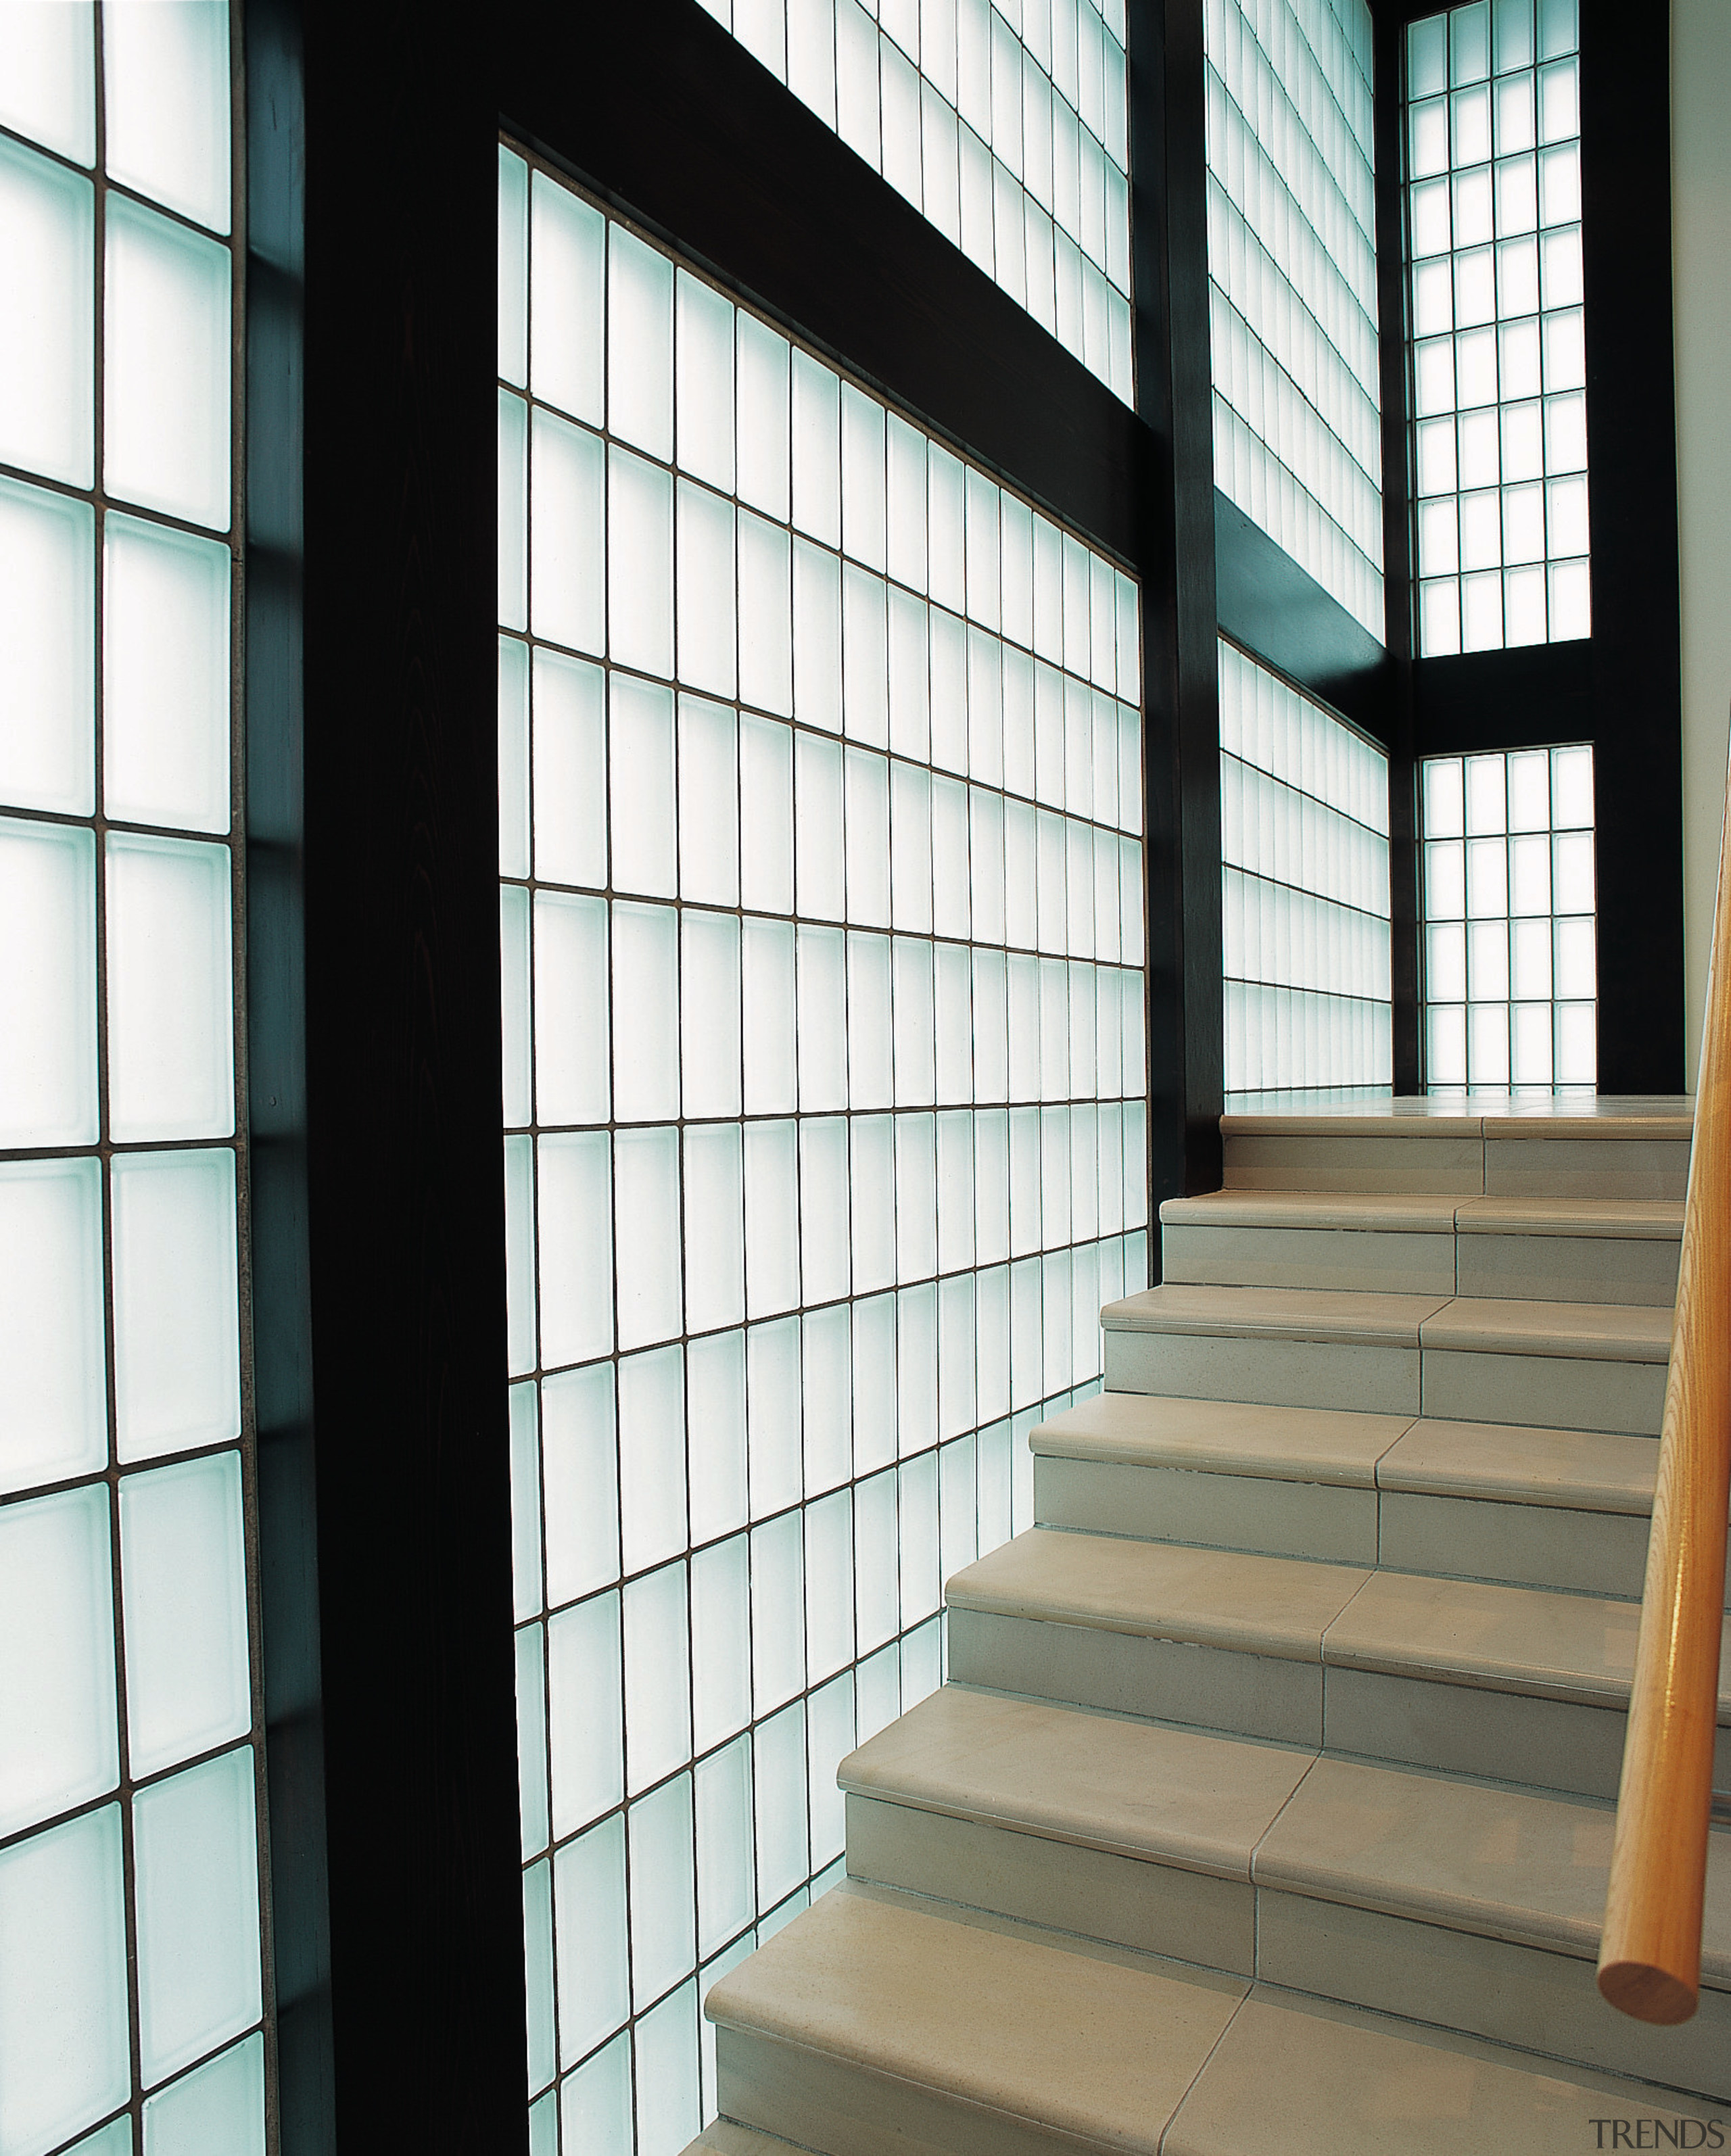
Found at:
[1144, 1789]
[1510, 1463]
[1534, 1641]
[1524, 1865]
[1596, 1332]
[1633, 1219]
[1267, 1605]
[1640, 1220]
[1490, 1115]
[1342, 2081]
[992, 2014]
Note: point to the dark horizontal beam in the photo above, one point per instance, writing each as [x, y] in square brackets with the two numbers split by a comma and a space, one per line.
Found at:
[1528, 698]
[655, 107]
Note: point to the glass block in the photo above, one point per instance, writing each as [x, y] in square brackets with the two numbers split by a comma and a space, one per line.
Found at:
[780, 1788]
[520, 1285]
[567, 535]
[167, 355]
[704, 389]
[764, 418]
[662, 1861]
[766, 626]
[658, 1702]
[868, 839]
[669, 2110]
[571, 1062]
[48, 1080]
[816, 450]
[170, 1001]
[646, 1235]
[727, 1896]
[824, 1237]
[705, 585]
[47, 549]
[640, 343]
[47, 70]
[645, 1012]
[708, 790]
[589, 1911]
[830, 1727]
[184, 1581]
[165, 93]
[57, 1663]
[526, 1503]
[766, 808]
[196, 1850]
[165, 725]
[865, 669]
[639, 564]
[568, 239]
[63, 1981]
[580, 1498]
[778, 1622]
[574, 1247]
[1488, 961]
[652, 1457]
[710, 991]
[595, 2103]
[1572, 871]
[538, 1973]
[47, 397]
[716, 1407]
[714, 1227]
[772, 1415]
[513, 511]
[176, 1324]
[51, 1323]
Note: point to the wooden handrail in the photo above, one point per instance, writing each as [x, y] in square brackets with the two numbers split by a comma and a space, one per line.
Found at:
[1649, 1954]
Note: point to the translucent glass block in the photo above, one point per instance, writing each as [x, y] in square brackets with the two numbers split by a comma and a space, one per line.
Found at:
[715, 1393]
[196, 1850]
[568, 541]
[865, 669]
[640, 343]
[221, 2106]
[824, 1212]
[47, 397]
[873, 1223]
[662, 1864]
[766, 624]
[772, 1415]
[714, 1227]
[868, 838]
[513, 511]
[525, 1568]
[645, 1012]
[1577, 1045]
[538, 1973]
[766, 814]
[51, 1323]
[917, 1537]
[916, 1198]
[875, 1567]
[47, 69]
[816, 450]
[114, 2139]
[658, 1704]
[166, 95]
[764, 422]
[668, 2106]
[175, 1325]
[63, 1981]
[589, 1913]
[520, 1254]
[652, 1457]
[570, 1063]
[1572, 871]
[727, 1895]
[830, 1585]
[704, 400]
[721, 1646]
[917, 1368]
[829, 1728]
[639, 565]
[1488, 961]
[513, 269]
[778, 1612]
[710, 1013]
[165, 725]
[783, 1844]
[48, 1067]
[915, 1022]
[183, 1585]
[47, 557]
[574, 1247]
[705, 585]
[772, 1218]
[167, 357]
[646, 1236]
[532, 1778]
[820, 857]
[57, 1660]
[580, 1492]
[170, 975]
[595, 2102]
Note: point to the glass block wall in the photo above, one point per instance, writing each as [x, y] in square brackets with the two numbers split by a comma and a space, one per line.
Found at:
[1304, 869]
[1497, 357]
[1004, 122]
[822, 925]
[1292, 264]
[131, 1993]
[1509, 950]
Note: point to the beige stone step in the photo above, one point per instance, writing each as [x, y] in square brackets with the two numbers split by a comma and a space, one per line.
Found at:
[1512, 1683]
[1558, 1365]
[1596, 1250]
[1201, 1846]
[1505, 1503]
[878, 2024]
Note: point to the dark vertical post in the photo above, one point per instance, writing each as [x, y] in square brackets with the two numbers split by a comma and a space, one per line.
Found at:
[1404, 982]
[1180, 670]
[379, 1226]
[1631, 452]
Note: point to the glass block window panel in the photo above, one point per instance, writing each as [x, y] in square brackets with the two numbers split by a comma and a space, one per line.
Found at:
[1509, 968]
[1292, 265]
[133, 2003]
[1004, 122]
[1304, 871]
[826, 1130]
[1498, 366]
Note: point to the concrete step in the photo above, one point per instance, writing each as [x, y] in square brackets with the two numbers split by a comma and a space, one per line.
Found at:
[1525, 1507]
[1512, 1683]
[1555, 1365]
[1544, 1148]
[879, 2024]
[1588, 1249]
[1236, 1855]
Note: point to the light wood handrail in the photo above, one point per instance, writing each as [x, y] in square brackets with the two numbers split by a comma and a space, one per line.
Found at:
[1649, 1954]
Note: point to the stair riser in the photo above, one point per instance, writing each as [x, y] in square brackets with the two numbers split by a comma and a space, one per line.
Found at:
[1489, 1988]
[1534, 1268]
[820, 2102]
[1448, 1536]
[1459, 1166]
[1416, 1720]
[1549, 1391]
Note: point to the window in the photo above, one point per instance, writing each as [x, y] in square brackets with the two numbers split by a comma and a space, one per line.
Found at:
[1304, 876]
[131, 1992]
[1004, 122]
[1509, 965]
[822, 926]
[1497, 353]
[1291, 258]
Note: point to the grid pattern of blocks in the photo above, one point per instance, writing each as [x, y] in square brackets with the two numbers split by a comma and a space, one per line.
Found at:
[1304, 854]
[1291, 259]
[1509, 938]
[822, 924]
[1004, 122]
[132, 1980]
[1497, 353]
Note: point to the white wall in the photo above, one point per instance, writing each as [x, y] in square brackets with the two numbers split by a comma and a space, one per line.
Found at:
[1701, 266]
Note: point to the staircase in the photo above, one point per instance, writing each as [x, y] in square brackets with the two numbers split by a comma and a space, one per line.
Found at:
[1267, 1807]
